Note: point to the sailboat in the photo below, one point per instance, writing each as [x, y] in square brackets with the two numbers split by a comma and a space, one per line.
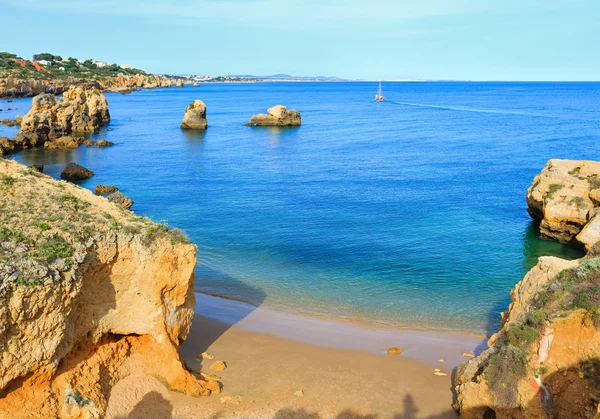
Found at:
[379, 96]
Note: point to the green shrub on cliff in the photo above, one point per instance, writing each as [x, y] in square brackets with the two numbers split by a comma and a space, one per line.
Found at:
[55, 248]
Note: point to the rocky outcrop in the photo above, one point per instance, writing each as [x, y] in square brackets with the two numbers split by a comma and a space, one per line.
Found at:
[105, 190]
[195, 116]
[79, 110]
[545, 361]
[75, 172]
[565, 198]
[278, 116]
[23, 87]
[90, 295]
[120, 199]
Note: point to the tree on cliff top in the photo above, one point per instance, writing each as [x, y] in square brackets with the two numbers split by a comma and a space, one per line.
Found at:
[46, 56]
[7, 55]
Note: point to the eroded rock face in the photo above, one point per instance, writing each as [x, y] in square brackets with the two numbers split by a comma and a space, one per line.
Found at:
[195, 116]
[278, 115]
[87, 299]
[565, 197]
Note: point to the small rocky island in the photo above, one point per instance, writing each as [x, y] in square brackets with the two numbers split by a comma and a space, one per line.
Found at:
[54, 121]
[195, 116]
[278, 116]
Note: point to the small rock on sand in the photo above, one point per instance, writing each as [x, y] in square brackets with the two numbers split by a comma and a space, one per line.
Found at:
[394, 351]
[218, 366]
[440, 360]
[205, 355]
[466, 355]
[439, 373]
[299, 393]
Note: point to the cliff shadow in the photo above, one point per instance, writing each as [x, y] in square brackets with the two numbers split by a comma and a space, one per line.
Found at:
[216, 314]
[408, 410]
[152, 405]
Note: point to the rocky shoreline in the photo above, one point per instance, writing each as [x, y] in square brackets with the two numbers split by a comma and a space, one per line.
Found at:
[16, 87]
[545, 361]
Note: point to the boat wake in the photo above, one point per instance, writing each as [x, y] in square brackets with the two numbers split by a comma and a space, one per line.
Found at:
[493, 111]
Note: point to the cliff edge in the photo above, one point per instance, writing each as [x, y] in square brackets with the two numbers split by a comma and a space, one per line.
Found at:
[90, 294]
[545, 361]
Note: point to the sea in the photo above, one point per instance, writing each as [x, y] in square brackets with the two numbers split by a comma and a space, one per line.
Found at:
[408, 213]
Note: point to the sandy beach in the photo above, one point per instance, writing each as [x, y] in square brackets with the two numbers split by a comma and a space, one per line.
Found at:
[281, 365]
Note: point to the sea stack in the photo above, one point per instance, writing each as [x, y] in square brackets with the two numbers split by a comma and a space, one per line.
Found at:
[195, 116]
[278, 116]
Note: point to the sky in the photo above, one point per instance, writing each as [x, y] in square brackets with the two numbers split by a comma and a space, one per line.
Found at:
[354, 39]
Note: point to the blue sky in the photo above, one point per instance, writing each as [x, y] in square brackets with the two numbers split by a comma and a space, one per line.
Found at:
[376, 39]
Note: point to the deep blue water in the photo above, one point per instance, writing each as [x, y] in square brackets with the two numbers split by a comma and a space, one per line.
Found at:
[408, 212]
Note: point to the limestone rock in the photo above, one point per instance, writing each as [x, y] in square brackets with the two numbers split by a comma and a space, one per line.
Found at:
[121, 307]
[64, 143]
[79, 110]
[73, 171]
[98, 144]
[195, 116]
[278, 115]
[561, 197]
[179, 83]
[540, 363]
[120, 199]
[37, 167]
[218, 366]
[394, 351]
[105, 190]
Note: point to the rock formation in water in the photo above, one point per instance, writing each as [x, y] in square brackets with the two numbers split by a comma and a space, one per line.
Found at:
[545, 361]
[195, 116]
[91, 295]
[277, 116]
[74, 172]
[565, 198]
[64, 143]
[79, 110]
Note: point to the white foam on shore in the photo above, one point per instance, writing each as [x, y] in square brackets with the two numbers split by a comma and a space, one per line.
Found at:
[424, 346]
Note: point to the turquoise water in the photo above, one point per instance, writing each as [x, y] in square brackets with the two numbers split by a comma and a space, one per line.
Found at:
[409, 212]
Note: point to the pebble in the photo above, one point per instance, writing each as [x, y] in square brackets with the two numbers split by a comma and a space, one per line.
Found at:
[466, 355]
[299, 393]
[394, 351]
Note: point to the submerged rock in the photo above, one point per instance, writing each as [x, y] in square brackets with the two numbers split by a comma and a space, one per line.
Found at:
[278, 115]
[195, 116]
[121, 200]
[73, 171]
[98, 144]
